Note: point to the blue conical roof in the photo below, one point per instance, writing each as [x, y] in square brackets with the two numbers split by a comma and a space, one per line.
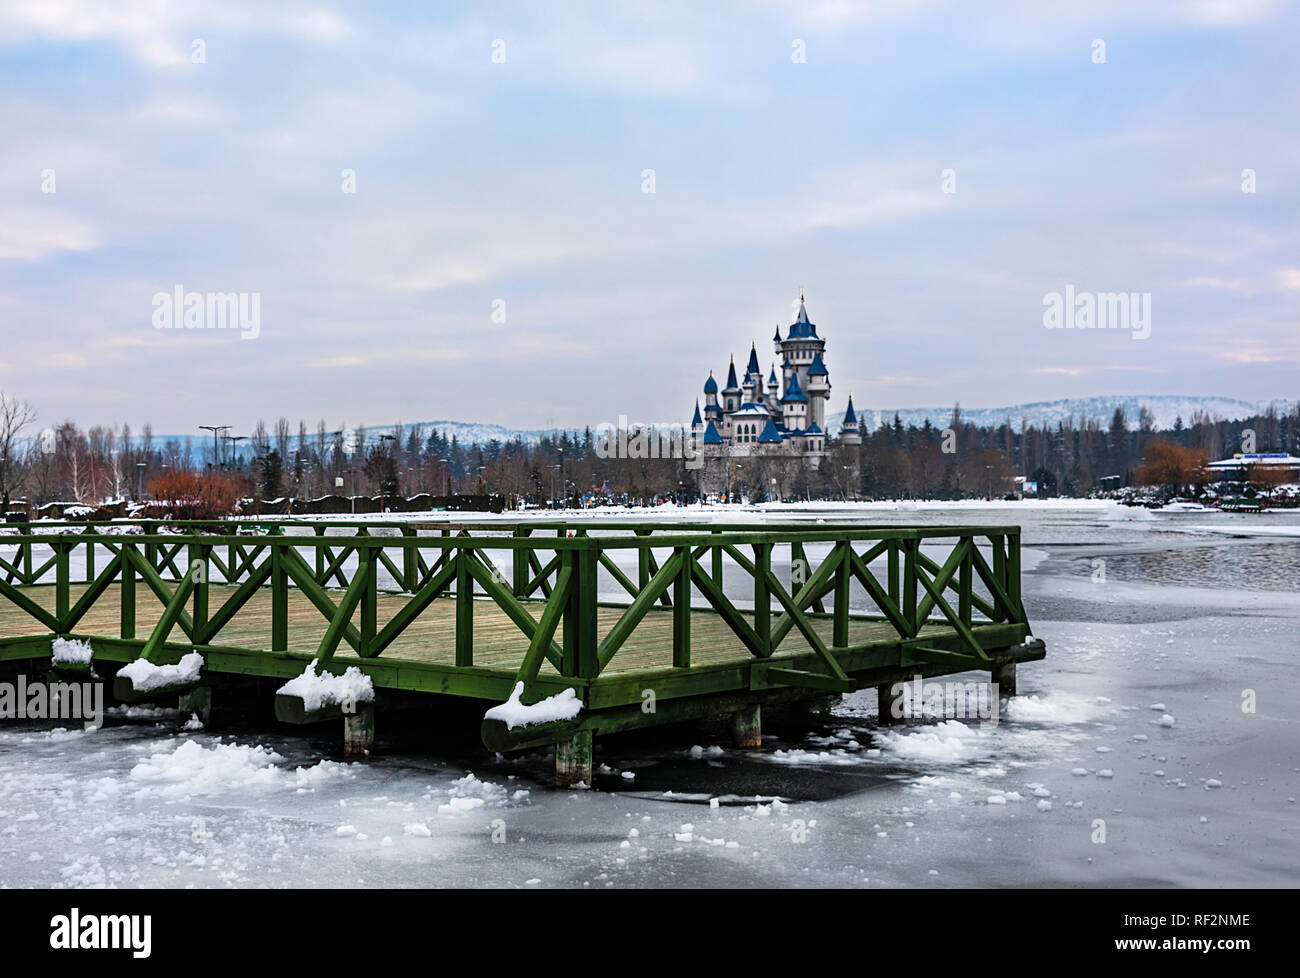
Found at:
[801, 328]
[731, 378]
[753, 369]
[771, 378]
[711, 436]
[792, 391]
[770, 435]
[849, 416]
[818, 368]
[710, 385]
[697, 419]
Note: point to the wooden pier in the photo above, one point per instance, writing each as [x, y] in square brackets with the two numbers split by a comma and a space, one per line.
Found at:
[647, 622]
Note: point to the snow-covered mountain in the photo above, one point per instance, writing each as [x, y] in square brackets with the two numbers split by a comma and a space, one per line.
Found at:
[1166, 408]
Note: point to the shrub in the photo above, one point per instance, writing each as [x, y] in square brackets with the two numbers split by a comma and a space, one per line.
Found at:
[196, 496]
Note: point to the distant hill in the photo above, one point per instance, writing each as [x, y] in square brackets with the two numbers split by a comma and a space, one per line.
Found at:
[1165, 407]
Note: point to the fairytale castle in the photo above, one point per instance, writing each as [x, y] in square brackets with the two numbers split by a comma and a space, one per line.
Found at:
[782, 419]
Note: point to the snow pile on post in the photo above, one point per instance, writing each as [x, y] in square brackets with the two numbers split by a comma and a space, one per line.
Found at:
[72, 652]
[319, 690]
[144, 675]
[564, 705]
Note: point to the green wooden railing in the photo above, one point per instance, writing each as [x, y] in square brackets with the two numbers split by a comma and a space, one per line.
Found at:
[205, 573]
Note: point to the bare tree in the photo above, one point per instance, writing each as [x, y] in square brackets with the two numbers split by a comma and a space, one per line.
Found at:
[15, 415]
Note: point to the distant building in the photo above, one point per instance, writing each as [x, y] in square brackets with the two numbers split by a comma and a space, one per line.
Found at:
[782, 417]
[1236, 468]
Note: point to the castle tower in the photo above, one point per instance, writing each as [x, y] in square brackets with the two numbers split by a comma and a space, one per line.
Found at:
[849, 432]
[731, 393]
[794, 406]
[819, 391]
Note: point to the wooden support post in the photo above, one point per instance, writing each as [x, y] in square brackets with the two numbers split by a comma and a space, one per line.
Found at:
[747, 727]
[1005, 676]
[359, 731]
[196, 702]
[573, 760]
[885, 697]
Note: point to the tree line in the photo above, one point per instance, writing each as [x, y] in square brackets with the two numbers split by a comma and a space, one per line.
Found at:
[1080, 457]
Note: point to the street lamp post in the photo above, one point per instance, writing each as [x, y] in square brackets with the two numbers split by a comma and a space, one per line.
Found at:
[216, 429]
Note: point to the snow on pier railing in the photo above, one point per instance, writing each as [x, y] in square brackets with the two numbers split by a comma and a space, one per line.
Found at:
[71, 652]
[564, 705]
[319, 690]
[145, 675]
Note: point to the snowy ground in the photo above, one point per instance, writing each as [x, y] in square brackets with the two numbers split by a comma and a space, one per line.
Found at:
[1134, 719]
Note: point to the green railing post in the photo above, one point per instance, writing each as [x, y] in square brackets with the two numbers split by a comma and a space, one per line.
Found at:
[999, 575]
[587, 592]
[643, 561]
[368, 568]
[29, 577]
[964, 587]
[682, 612]
[127, 593]
[762, 595]
[464, 608]
[62, 580]
[843, 574]
[911, 549]
[519, 564]
[198, 564]
[320, 555]
[410, 566]
[1013, 576]
[569, 650]
[717, 562]
[89, 537]
[151, 548]
[894, 593]
[279, 596]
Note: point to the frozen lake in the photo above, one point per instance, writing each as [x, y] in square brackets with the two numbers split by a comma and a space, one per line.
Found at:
[1134, 720]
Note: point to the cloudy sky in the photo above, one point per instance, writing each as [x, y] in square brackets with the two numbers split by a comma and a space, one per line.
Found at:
[500, 153]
